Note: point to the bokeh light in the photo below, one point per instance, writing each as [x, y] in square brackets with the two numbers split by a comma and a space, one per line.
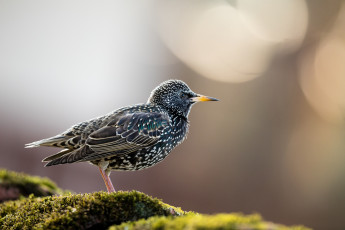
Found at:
[322, 72]
[232, 44]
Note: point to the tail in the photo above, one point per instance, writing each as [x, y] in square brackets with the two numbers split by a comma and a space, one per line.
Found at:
[56, 141]
[57, 155]
[68, 156]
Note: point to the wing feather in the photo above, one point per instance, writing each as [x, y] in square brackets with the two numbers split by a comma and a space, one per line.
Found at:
[123, 135]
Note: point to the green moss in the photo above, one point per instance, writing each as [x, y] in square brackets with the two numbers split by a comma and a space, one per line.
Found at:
[201, 222]
[121, 210]
[81, 211]
[14, 185]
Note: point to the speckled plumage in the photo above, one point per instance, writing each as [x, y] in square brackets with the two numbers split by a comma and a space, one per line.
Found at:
[130, 138]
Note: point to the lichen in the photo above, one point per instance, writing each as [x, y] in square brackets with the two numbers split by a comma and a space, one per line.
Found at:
[81, 211]
[192, 221]
[13, 185]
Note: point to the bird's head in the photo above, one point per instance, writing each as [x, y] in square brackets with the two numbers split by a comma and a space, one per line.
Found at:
[176, 97]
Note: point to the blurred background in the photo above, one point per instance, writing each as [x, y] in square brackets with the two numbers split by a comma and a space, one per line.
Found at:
[274, 144]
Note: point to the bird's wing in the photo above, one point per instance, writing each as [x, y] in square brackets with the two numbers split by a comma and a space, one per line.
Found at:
[125, 134]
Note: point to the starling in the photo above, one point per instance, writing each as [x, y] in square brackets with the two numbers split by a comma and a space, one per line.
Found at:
[130, 138]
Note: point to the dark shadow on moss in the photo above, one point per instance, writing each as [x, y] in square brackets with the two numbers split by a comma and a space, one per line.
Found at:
[14, 185]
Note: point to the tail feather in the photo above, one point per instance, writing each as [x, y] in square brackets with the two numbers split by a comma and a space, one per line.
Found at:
[56, 141]
[67, 157]
[57, 155]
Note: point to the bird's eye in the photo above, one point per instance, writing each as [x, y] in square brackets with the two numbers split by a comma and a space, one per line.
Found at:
[183, 95]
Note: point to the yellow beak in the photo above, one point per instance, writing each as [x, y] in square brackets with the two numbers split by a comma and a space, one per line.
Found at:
[203, 98]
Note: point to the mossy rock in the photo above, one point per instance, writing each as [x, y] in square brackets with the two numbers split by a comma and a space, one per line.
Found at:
[81, 211]
[194, 221]
[14, 185]
[100, 210]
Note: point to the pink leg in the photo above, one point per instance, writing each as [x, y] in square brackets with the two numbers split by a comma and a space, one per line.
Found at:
[107, 180]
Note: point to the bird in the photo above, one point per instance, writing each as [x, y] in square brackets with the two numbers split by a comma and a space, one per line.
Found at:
[130, 138]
